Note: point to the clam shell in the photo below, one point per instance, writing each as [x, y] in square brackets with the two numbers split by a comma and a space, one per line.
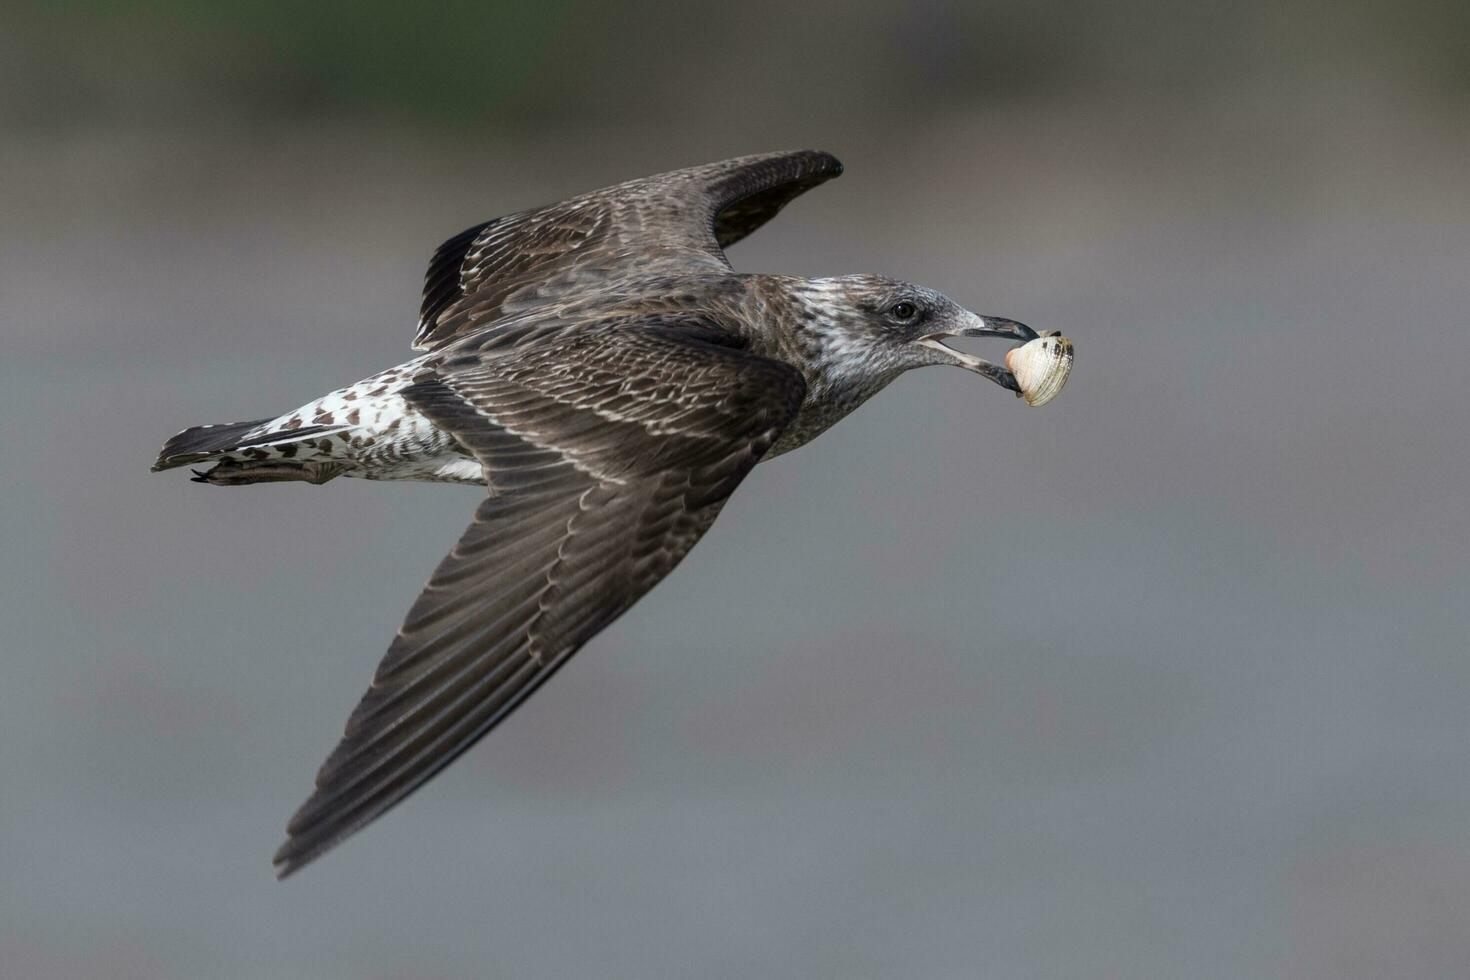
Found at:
[1041, 367]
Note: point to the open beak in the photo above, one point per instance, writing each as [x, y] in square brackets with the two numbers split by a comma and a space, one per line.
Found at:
[982, 326]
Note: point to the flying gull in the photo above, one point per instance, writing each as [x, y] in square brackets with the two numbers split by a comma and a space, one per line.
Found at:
[604, 373]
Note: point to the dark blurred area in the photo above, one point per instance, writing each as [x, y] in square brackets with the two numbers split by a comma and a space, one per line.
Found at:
[1168, 678]
[519, 66]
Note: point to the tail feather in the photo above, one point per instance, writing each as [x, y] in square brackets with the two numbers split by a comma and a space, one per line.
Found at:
[207, 441]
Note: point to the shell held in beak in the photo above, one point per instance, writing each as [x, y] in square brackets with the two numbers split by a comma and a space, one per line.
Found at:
[1041, 367]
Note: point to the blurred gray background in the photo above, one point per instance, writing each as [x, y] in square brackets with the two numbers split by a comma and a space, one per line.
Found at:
[1166, 679]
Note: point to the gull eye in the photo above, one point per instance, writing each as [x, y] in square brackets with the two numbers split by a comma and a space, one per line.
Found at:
[903, 310]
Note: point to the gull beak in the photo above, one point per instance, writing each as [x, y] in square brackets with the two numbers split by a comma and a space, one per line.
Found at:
[982, 326]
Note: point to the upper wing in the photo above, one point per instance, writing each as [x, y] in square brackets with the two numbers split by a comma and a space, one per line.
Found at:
[610, 451]
[678, 221]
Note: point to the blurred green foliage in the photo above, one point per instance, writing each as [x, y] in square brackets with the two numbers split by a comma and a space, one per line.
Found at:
[517, 61]
[287, 57]
[445, 57]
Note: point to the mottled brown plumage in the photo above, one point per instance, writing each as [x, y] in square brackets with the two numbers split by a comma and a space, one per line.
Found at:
[677, 222]
[603, 372]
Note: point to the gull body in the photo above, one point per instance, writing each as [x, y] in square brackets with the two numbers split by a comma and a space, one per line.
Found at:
[601, 370]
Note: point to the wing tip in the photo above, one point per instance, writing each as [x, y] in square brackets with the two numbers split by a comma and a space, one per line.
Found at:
[816, 165]
[286, 862]
[285, 867]
[819, 160]
[826, 161]
[299, 850]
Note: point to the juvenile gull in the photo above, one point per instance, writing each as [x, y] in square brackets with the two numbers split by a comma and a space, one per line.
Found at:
[602, 371]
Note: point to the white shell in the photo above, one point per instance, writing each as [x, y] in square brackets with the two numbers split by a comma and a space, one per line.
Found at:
[1041, 367]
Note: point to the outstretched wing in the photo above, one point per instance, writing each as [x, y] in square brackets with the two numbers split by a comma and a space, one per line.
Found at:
[678, 221]
[609, 450]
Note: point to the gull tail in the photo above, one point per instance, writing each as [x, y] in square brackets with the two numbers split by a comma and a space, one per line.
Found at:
[204, 442]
